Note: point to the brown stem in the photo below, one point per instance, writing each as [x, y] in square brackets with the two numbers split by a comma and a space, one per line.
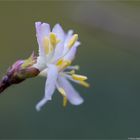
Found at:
[4, 83]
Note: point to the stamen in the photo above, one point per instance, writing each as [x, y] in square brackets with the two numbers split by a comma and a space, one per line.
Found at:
[72, 40]
[59, 62]
[79, 77]
[53, 39]
[62, 91]
[62, 64]
[85, 84]
[46, 44]
[72, 72]
[65, 101]
[76, 67]
[65, 64]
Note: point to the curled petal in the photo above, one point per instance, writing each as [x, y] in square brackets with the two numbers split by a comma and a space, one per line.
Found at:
[71, 94]
[41, 103]
[52, 74]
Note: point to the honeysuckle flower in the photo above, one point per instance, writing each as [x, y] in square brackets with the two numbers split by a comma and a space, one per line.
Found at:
[57, 50]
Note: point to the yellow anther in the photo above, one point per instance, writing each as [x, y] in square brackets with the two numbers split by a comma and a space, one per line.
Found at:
[62, 91]
[65, 101]
[76, 67]
[72, 72]
[46, 44]
[85, 84]
[60, 61]
[65, 64]
[79, 77]
[62, 64]
[53, 39]
[72, 40]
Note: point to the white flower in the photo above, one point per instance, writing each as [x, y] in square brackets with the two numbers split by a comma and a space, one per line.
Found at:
[56, 52]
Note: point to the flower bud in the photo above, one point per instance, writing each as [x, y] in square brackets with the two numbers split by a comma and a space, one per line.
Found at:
[19, 71]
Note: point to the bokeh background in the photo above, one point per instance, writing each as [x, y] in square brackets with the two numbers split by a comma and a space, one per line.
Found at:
[109, 56]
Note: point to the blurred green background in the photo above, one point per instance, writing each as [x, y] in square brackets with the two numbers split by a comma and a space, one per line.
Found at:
[109, 56]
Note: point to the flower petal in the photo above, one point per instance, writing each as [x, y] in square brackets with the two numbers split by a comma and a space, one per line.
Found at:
[41, 63]
[57, 29]
[51, 81]
[52, 74]
[71, 94]
[72, 52]
[42, 30]
[60, 46]
[41, 103]
[67, 39]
